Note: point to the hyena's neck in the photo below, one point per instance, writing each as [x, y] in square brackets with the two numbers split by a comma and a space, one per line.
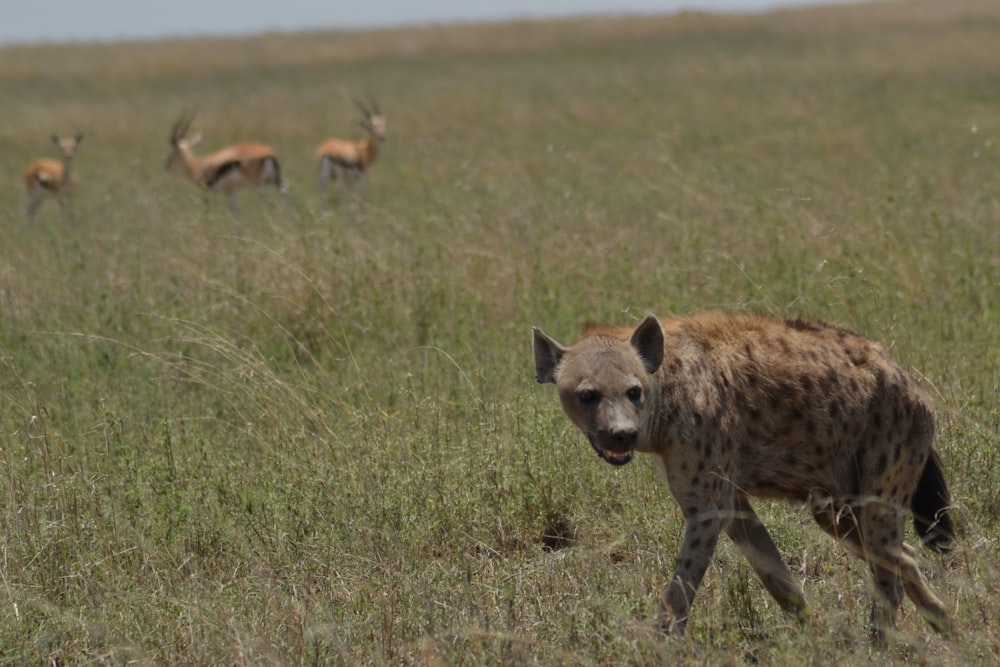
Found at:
[652, 438]
[673, 403]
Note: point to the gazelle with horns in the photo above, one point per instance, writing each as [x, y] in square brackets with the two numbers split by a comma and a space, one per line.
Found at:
[52, 178]
[246, 165]
[347, 161]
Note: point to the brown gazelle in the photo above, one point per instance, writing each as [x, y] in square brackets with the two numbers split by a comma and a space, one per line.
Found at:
[245, 165]
[52, 178]
[347, 161]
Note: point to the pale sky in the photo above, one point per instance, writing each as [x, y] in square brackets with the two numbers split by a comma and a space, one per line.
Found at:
[105, 20]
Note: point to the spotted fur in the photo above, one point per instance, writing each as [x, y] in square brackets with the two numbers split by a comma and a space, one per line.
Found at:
[735, 406]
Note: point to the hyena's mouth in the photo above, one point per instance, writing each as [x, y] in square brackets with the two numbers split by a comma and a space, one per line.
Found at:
[612, 457]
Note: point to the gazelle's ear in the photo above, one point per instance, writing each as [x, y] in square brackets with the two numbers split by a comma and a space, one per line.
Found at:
[647, 339]
[548, 352]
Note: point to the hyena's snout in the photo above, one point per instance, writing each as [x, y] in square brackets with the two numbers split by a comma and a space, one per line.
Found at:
[615, 438]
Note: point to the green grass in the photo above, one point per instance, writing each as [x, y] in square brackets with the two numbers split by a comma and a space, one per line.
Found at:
[313, 436]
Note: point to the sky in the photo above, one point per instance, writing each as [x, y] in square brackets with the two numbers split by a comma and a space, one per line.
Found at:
[31, 21]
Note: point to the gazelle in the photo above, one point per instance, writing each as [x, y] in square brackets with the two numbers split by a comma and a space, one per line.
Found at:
[52, 178]
[347, 161]
[246, 165]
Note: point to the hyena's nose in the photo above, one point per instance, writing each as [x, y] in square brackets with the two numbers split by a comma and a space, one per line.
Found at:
[620, 438]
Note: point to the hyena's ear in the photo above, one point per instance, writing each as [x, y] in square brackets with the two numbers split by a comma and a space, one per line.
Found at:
[547, 355]
[647, 339]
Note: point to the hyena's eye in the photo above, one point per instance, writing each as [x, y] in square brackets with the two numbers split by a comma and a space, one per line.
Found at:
[633, 393]
[588, 396]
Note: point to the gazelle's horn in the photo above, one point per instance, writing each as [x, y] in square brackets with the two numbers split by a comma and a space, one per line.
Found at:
[364, 108]
[181, 127]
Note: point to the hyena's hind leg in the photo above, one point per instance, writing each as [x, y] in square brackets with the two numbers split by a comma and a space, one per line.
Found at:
[753, 541]
[922, 595]
[853, 523]
[882, 527]
[892, 562]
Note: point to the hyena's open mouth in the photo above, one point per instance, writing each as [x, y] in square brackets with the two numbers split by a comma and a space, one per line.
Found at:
[612, 457]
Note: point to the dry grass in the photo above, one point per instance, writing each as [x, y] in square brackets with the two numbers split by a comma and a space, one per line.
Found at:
[312, 435]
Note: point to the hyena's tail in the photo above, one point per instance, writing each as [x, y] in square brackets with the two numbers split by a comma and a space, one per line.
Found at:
[931, 507]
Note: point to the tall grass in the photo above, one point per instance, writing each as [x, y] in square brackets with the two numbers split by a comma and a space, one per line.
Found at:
[311, 434]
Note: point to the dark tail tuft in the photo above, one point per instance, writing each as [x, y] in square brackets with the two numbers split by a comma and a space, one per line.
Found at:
[931, 506]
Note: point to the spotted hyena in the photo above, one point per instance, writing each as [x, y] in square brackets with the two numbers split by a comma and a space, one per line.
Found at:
[735, 406]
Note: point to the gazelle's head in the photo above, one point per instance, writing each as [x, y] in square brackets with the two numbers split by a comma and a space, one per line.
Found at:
[373, 122]
[177, 138]
[67, 145]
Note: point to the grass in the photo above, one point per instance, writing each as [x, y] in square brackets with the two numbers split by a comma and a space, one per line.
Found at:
[312, 435]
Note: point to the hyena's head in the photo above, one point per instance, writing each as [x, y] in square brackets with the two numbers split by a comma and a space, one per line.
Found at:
[605, 381]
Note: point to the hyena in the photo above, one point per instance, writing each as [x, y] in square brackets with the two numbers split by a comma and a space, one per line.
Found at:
[735, 406]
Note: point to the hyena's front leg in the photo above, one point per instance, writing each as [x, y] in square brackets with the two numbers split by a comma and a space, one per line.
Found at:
[753, 541]
[701, 534]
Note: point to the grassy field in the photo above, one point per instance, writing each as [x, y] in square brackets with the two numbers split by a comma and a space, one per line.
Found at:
[312, 435]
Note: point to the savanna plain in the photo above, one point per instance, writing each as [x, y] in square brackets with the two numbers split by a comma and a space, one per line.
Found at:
[311, 433]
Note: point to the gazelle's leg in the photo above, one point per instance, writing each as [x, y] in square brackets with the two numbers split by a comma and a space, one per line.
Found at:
[31, 206]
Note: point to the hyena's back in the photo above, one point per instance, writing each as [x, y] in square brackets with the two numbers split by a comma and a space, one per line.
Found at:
[813, 407]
